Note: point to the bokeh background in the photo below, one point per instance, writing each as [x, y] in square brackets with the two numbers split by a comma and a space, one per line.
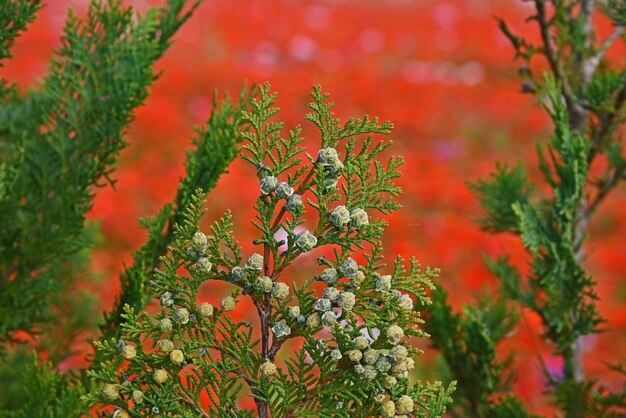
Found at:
[440, 70]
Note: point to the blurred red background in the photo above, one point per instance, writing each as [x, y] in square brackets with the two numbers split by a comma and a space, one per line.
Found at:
[440, 70]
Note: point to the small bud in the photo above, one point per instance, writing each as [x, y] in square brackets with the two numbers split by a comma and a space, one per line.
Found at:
[120, 344]
[358, 279]
[327, 156]
[137, 397]
[166, 299]
[268, 184]
[335, 168]
[181, 315]
[359, 218]
[400, 369]
[255, 262]
[346, 301]
[268, 368]
[199, 241]
[165, 345]
[398, 352]
[293, 311]
[361, 343]
[159, 376]
[192, 252]
[406, 303]
[305, 241]
[228, 303]
[329, 318]
[369, 372]
[359, 368]
[283, 190]
[294, 203]
[177, 357]
[281, 330]
[110, 392]
[301, 319]
[379, 398]
[388, 409]
[165, 325]
[339, 405]
[264, 284]
[335, 354]
[280, 290]
[129, 352]
[410, 363]
[383, 364]
[331, 293]
[120, 413]
[349, 268]
[314, 320]
[340, 216]
[404, 405]
[155, 410]
[390, 382]
[329, 276]
[355, 355]
[323, 305]
[394, 334]
[383, 284]
[371, 356]
[205, 309]
[204, 264]
[236, 274]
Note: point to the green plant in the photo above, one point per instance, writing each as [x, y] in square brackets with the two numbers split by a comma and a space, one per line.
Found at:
[57, 143]
[352, 358]
[584, 96]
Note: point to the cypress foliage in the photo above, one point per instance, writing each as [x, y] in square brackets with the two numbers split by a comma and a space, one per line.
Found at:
[61, 141]
[191, 358]
[584, 97]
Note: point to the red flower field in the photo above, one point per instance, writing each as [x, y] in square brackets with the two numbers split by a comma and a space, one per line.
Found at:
[440, 70]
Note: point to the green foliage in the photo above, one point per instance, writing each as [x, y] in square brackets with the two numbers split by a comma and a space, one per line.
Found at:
[616, 10]
[585, 99]
[349, 357]
[215, 148]
[14, 16]
[468, 344]
[45, 392]
[61, 141]
[497, 195]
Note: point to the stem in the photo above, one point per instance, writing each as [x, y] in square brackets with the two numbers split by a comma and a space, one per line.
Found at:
[303, 186]
[577, 112]
[264, 309]
[193, 404]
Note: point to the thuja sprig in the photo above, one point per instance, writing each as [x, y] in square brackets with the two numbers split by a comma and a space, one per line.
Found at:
[352, 356]
[585, 96]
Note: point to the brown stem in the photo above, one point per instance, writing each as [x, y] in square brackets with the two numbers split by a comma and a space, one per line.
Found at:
[303, 186]
[578, 115]
[193, 404]
[615, 178]
[592, 63]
